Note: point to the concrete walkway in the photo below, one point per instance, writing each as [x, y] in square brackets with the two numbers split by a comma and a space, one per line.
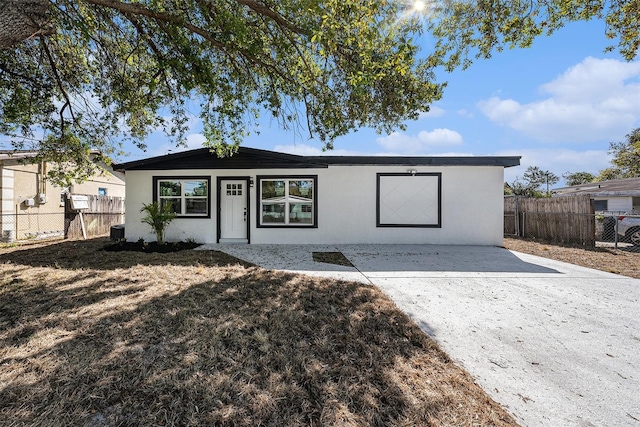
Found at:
[554, 343]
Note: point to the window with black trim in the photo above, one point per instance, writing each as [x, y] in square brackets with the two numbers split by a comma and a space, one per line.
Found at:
[601, 205]
[409, 200]
[287, 201]
[188, 196]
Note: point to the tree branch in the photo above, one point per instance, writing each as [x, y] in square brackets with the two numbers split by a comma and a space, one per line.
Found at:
[137, 9]
[29, 79]
[264, 10]
[67, 104]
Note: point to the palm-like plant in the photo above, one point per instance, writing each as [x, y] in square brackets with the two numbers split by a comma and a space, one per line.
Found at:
[158, 218]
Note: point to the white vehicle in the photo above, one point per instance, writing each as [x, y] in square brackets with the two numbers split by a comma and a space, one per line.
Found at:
[629, 228]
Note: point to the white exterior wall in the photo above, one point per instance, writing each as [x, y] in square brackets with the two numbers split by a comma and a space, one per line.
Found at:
[113, 181]
[6, 201]
[472, 207]
[617, 204]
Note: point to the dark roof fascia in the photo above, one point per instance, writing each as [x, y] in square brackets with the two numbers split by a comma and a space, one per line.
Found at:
[160, 162]
[172, 161]
[504, 161]
[159, 159]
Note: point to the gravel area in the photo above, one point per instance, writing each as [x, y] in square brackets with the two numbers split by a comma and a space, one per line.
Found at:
[605, 259]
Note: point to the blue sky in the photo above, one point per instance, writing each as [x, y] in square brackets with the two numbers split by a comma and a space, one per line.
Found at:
[557, 104]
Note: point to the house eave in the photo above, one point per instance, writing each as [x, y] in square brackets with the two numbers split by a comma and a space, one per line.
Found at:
[251, 158]
[626, 187]
[203, 158]
[632, 193]
[503, 161]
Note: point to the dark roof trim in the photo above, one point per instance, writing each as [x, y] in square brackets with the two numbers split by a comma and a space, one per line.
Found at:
[204, 158]
[419, 160]
[248, 158]
[161, 159]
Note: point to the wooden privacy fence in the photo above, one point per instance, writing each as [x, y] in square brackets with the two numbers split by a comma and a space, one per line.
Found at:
[566, 219]
[103, 212]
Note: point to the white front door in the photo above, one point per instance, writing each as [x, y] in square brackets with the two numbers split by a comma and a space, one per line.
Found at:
[233, 211]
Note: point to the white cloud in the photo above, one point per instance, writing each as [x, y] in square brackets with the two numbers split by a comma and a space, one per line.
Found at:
[193, 141]
[433, 112]
[593, 78]
[420, 143]
[558, 161]
[309, 150]
[593, 100]
[465, 113]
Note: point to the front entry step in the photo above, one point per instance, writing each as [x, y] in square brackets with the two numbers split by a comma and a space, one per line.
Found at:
[240, 241]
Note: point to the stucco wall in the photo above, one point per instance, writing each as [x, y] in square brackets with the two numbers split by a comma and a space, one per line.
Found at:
[472, 207]
[27, 184]
[113, 182]
[20, 182]
[6, 201]
[617, 204]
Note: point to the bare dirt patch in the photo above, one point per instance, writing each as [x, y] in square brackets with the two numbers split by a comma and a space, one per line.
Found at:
[606, 259]
[96, 338]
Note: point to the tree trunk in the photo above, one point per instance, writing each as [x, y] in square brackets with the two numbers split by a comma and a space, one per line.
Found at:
[21, 20]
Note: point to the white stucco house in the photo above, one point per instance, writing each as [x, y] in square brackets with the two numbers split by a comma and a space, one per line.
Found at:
[616, 195]
[259, 196]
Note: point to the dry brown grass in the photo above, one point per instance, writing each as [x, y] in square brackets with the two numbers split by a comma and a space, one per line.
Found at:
[611, 260]
[98, 338]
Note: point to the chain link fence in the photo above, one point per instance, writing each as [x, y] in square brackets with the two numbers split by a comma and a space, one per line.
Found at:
[616, 230]
[24, 227]
[31, 226]
[94, 220]
[511, 226]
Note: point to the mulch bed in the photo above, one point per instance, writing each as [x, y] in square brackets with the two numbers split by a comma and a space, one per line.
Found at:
[150, 247]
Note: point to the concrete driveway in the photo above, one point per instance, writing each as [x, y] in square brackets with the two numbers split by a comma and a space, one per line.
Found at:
[554, 343]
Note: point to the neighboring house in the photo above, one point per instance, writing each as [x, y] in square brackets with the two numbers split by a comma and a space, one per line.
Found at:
[29, 203]
[259, 196]
[616, 195]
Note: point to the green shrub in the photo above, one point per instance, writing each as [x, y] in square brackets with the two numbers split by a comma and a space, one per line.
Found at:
[158, 219]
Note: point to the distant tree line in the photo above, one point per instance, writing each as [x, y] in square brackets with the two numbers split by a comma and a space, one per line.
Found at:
[625, 164]
[531, 183]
